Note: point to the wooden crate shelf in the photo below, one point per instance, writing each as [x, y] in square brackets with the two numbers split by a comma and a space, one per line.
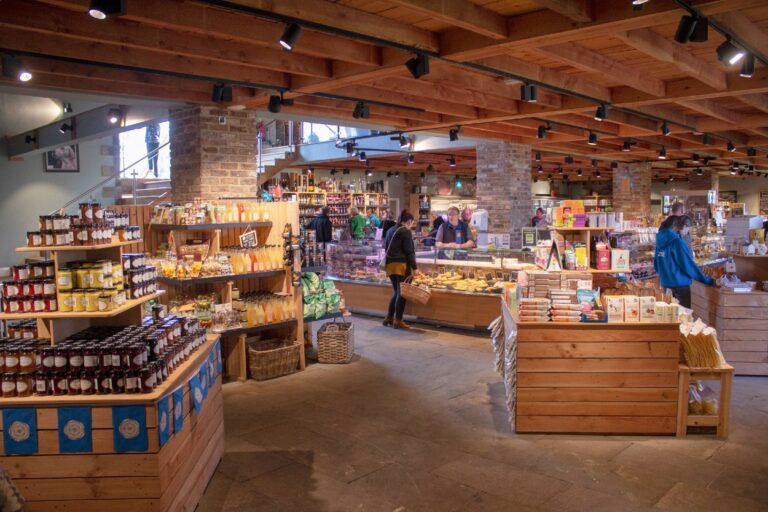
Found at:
[210, 227]
[721, 420]
[73, 248]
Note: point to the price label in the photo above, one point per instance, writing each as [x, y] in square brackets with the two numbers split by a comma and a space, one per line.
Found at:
[248, 239]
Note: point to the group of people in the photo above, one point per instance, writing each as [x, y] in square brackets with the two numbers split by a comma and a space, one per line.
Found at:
[673, 259]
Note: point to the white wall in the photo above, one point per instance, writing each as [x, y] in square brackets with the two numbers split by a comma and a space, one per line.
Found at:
[747, 189]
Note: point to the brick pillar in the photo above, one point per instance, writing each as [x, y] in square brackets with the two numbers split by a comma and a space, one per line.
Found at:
[632, 190]
[709, 180]
[211, 159]
[504, 187]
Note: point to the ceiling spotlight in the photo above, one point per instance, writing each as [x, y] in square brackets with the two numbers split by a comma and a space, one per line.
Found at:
[614, 165]
[13, 67]
[627, 146]
[569, 159]
[452, 162]
[700, 171]
[695, 158]
[64, 128]
[101, 9]
[685, 29]
[275, 104]
[578, 172]
[389, 174]
[597, 173]
[368, 172]
[361, 157]
[734, 170]
[538, 156]
[559, 170]
[730, 147]
[29, 139]
[701, 31]
[592, 141]
[411, 158]
[310, 170]
[751, 152]
[290, 36]
[706, 139]
[453, 134]
[665, 129]
[349, 147]
[602, 112]
[540, 169]
[430, 168]
[418, 65]
[748, 66]
[361, 111]
[457, 181]
[729, 53]
[638, 2]
[114, 115]
[345, 171]
[221, 93]
[404, 141]
[67, 108]
[529, 93]
[663, 154]
[541, 131]
[549, 176]
[397, 174]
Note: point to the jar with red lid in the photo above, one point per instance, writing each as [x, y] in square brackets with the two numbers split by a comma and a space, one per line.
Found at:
[38, 304]
[27, 358]
[148, 379]
[37, 287]
[86, 212]
[51, 304]
[11, 289]
[34, 239]
[20, 272]
[35, 270]
[62, 237]
[104, 383]
[87, 385]
[43, 384]
[47, 237]
[132, 384]
[9, 385]
[46, 222]
[60, 359]
[48, 285]
[25, 383]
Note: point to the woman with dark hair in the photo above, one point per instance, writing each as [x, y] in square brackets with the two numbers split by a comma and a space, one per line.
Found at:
[400, 262]
[430, 240]
[674, 261]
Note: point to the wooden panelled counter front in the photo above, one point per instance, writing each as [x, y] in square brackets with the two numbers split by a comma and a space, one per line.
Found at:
[168, 478]
[596, 378]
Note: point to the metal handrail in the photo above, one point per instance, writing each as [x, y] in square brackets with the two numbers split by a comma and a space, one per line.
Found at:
[111, 177]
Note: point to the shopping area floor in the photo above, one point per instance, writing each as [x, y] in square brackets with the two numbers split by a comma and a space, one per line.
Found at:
[418, 423]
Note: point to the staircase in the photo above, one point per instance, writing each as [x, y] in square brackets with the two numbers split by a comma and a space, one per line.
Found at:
[148, 192]
[274, 160]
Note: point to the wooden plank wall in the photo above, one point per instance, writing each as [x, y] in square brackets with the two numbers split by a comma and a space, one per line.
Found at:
[741, 321]
[612, 379]
[171, 478]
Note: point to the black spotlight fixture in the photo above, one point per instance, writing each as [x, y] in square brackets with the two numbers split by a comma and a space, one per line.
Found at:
[430, 168]
[345, 171]
[734, 169]
[540, 169]
[729, 53]
[538, 156]
[696, 158]
[349, 147]
[529, 93]
[102, 9]
[592, 141]
[663, 153]
[361, 157]
[114, 116]
[333, 172]
[404, 141]
[368, 172]
[418, 65]
[665, 129]
[614, 165]
[579, 172]
[389, 174]
[569, 159]
[13, 67]
[700, 171]
[748, 66]
[29, 139]
[627, 147]
[602, 112]
[453, 134]
[706, 139]
[541, 131]
[452, 162]
[411, 158]
[361, 111]
[290, 36]
[67, 108]
[597, 173]
[730, 147]
[221, 93]
[64, 128]
[751, 152]
[701, 31]
[686, 28]
[275, 104]
[559, 170]
[397, 174]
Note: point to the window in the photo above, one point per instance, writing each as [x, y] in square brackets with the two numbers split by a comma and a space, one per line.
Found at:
[134, 148]
[312, 133]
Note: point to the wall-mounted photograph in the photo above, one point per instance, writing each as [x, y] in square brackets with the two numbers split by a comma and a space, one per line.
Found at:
[62, 159]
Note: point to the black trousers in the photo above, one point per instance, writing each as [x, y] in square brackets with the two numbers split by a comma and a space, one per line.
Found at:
[683, 295]
[397, 302]
[151, 146]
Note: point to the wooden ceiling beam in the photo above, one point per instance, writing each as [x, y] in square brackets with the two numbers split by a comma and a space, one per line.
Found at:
[593, 62]
[759, 101]
[577, 10]
[710, 108]
[345, 109]
[461, 13]
[666, 50]
[431, 105]
[746, 121]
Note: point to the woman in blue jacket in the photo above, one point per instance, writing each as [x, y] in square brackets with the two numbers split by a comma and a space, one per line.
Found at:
[674, 261]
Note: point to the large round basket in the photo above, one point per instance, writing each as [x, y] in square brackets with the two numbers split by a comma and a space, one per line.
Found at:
[335, 343]
[409, 291]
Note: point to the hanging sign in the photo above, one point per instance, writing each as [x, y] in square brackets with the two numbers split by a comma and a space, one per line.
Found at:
[248, 239]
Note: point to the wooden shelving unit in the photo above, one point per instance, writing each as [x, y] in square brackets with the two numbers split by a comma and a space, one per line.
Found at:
[217, 279]
[58, 315]
[75, 248]
[209, 227]
[583, 235]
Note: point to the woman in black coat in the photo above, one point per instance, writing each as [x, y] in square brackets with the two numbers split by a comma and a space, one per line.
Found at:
[399, 264]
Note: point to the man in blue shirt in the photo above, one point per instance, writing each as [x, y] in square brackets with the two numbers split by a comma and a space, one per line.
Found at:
[453, 234]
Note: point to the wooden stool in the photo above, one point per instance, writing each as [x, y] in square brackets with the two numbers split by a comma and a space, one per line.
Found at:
[721, 420]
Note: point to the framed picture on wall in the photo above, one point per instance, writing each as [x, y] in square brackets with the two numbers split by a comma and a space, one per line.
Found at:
[729, 196]
[62, 159]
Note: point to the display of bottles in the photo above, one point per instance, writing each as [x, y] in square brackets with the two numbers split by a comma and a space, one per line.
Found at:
[263, 258]
[212, 213]
[263, 308]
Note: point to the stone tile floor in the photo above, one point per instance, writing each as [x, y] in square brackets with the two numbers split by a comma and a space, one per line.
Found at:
[418, 423]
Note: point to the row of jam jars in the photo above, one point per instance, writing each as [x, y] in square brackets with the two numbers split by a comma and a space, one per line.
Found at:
[20, 358]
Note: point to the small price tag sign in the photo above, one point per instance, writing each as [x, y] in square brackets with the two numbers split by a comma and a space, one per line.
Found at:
[248, 239]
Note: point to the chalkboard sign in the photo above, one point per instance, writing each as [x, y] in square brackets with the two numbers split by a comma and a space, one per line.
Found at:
[248, 239]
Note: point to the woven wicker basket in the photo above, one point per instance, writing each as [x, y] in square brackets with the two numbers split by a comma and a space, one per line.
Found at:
[420, 294]
[272, 358]
[335, 343]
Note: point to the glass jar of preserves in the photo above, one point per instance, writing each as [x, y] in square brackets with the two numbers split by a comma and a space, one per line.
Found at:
[20, 272]
[67, 302]
[43, 384]
[60, 359]
[78, 301]
[87, 385]
[64, 280]
[38, 304]
[27, 358]
[105, 355]
[82, 278]
[86, 212]
[158, 372]
[118, 381]
[34, 239]
[25, 303]
[47, 359]
[51, 303]
[27, 288]
[12, 359]
[24, 384]
[61, 237]
[73, 382]
[97, 276]
[132, 384]
[49, 269]
[9, 385]
[36, 270]
[48, 285]
[136, 356]
[91, 359]
[117, 356]
[148, 379]
[98, 212]
[104, 382]
[60, 385]
[46, 222]
[60, 222]
[36, 287]
[75, 358]
[105, 302]
[11, 289]
[47, 237]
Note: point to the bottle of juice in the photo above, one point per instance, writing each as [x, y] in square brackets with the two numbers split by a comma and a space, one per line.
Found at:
[260, 315]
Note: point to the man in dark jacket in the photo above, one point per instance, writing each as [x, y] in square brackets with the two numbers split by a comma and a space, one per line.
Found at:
[322, 226]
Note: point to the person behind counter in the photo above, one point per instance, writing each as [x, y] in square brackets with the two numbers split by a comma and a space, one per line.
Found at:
[373, 219]
[539, 220]
[674, 261]
[386, 223]
[466, 218]
[454, 234]
[356, 223]
[429, 241]
[322, 226]
[400, 262]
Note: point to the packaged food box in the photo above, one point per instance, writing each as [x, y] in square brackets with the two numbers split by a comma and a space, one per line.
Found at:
[647, 309]
[619, 259]
[631, 308]
[614, 305]
[661, 311]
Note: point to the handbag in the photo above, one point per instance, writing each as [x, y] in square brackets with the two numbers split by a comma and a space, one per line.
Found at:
[383, 262]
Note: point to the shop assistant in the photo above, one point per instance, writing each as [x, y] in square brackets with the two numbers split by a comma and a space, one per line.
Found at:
[454, 234]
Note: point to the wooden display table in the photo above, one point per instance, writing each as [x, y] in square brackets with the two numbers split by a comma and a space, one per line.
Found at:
[596, 378]
[722, 418]
[168, 478]
[445, 307]
[741, 321]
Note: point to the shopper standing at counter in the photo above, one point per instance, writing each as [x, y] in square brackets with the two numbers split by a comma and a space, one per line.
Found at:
[386, 223]
[322, 225]
[678, 210]
[373, 219]
[400, 261]
[454, 234]
[356, 223]
[674, 261]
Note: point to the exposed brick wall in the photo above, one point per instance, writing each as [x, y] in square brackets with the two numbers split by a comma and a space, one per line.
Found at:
[209, 159]
[504, 187]
[707, 181]
[632, 190]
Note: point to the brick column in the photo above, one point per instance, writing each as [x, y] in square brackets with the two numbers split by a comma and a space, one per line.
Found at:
[211, 159]
[504, 187]
[632, 190]
[709, 180]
